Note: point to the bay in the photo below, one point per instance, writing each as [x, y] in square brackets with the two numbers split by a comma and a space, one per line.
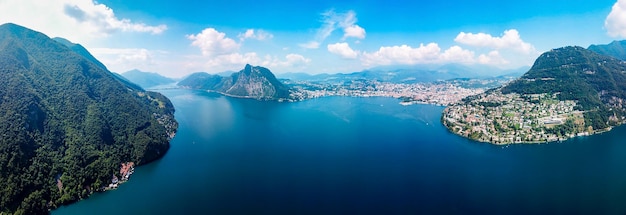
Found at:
[344, 155]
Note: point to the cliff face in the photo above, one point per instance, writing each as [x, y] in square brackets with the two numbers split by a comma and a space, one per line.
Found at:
[251, 82]
[256, 82]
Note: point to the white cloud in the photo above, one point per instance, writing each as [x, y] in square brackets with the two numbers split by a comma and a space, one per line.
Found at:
[509, 40]
[296, 60]
[429, 54]
[354, 31]
[213, 43]
[458, 55]
[492, 58]
[388, 55]
[220, 53]
[310, 45]
[347, 22]
[76, 20]
[121, 60]
[255, 34]
[343, 50]
[100, 15]
[333, 21]
[233, 60]
[615, 22]
[236, 62]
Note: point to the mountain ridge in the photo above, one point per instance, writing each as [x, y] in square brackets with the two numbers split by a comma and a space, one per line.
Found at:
[569, 91]
[411, 74]
[616, 49]
[68, 123]
[146, 79]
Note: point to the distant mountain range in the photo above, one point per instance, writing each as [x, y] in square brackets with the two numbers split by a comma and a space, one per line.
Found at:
[146, 79]
[411, 74]
[251, 82]
[67, 123]
[616, 49]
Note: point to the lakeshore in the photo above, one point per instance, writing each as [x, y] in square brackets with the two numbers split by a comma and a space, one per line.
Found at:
[355, 156]
[513, 118]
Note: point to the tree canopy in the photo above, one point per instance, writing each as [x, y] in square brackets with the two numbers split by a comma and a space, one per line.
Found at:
[65, 118]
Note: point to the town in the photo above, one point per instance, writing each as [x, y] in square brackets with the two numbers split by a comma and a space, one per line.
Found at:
[512, 118]
[438, 93]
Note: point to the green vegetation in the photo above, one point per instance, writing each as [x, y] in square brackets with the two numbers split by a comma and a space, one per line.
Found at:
[597, 82]
[67, 123]
[568, 92]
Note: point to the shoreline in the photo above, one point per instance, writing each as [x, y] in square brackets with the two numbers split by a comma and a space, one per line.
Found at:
[596, 132]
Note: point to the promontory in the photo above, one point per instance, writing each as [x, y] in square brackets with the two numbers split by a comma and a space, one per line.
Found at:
[568, 92]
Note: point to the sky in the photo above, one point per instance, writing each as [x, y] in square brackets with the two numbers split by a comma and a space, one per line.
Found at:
[177, 38]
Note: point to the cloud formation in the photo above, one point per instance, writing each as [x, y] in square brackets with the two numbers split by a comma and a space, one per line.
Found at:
[509, 40]
[256, 35]
[102, 16]
[343, 50]
[404, 54]
[615, 22]
[332, 21]
[492, 58]
[354, 31]
[76, 20]
[124, 59]
[429, 54]
[236, 61]
[213, 43]
[221, 53]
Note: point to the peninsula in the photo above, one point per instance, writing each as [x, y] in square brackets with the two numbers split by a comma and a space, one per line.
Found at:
[568, 92]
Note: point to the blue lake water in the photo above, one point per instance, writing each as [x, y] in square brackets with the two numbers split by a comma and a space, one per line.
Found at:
[343, 155]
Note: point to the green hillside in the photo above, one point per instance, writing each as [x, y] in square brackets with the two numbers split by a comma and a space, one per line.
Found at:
[68, 123]
[597, 82]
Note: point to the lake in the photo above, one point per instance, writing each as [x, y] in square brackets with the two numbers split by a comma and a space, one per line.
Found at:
[344, 155]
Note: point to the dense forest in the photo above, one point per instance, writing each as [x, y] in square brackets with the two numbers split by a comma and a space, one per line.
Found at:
[597, 82]
[67, 123]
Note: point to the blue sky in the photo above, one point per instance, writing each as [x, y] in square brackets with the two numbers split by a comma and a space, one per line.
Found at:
[176, 38]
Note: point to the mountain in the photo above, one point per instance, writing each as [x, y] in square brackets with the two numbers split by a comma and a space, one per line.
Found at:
[67, 123]
[251, 82]
[616, 49]
[146, 79]
[568, 92]
[576, 74]
[202, 80]
[79, 49]
[597, 82]
[411, 74]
